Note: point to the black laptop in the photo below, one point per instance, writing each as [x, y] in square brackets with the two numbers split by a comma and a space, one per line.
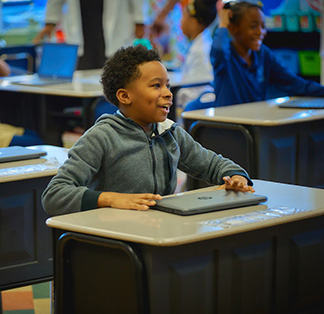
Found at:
[57, 66]
[304, 103]
[203, 202]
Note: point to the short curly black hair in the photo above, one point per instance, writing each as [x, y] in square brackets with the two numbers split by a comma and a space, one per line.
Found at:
[122, 69]
[239, 9]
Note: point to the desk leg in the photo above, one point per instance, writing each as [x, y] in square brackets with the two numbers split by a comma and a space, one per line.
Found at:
[89, 107]
[42, 116]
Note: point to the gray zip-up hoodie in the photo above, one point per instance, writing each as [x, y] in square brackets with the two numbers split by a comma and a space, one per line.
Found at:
[117, 155]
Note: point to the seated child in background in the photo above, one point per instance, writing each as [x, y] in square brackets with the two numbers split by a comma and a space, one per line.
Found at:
[17, 136]
[127, 160]
[11, 135]
[196, 17]
[244, 68]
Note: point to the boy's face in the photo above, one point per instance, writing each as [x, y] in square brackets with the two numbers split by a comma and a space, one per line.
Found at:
[148, 98]
[250, 31]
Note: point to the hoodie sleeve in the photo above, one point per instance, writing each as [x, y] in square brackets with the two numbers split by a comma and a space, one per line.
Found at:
[68, 191]
[204, 164]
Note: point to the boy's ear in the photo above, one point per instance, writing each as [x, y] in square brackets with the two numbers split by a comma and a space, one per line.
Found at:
[123, 96]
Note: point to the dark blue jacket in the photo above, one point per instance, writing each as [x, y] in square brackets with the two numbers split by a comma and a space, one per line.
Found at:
[236, 83]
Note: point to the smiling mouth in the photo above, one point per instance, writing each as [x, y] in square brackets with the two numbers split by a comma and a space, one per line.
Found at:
[165, 106]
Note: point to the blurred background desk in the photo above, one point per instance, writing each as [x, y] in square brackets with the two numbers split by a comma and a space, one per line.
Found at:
[258, 259]
[271, 143]
[43, 108]
[26, 255]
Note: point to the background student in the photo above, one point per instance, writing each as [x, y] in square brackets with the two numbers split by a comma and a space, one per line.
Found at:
[244, 68]
[196, 18]
[11, 135]
[127, 160]
[98, 27]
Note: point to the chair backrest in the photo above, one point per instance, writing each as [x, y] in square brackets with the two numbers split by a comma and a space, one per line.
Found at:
[21, 59]
[97, 275]
[216, 136]
[101, 106]
[205, 100]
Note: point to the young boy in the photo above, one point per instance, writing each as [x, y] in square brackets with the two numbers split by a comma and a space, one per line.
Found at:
[127, 160]
[245, 69]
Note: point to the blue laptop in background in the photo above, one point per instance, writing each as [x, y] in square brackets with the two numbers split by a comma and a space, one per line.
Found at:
[57, 65]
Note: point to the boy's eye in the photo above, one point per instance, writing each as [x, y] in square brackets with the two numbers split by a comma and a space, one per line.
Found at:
[168, 86]
[157, 85]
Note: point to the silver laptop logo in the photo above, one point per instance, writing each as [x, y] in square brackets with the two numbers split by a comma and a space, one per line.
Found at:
[204, 198]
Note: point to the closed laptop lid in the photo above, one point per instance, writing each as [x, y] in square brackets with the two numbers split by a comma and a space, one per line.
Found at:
[58, 61]
[15, 153]
[304, 103]
[203, 202]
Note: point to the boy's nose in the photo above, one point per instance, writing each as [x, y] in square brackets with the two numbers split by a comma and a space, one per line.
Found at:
[167, 92]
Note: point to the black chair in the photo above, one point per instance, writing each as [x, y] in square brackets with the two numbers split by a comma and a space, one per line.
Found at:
[216, 136]
[113, 267]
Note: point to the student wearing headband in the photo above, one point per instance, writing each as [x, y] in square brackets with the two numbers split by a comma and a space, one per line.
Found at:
[196, 18]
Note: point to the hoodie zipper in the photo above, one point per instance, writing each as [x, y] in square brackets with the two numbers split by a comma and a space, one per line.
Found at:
[154, 164]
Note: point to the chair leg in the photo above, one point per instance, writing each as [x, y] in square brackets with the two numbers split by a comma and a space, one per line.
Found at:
[51, 293]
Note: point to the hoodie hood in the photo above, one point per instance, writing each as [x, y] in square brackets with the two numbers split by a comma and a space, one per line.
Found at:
[119, 118]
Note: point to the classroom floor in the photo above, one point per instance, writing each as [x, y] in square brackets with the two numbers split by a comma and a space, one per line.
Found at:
[27, 300]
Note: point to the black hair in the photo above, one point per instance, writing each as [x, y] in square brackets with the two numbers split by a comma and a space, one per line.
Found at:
[122, 69]
[239, 8]
[203, 10]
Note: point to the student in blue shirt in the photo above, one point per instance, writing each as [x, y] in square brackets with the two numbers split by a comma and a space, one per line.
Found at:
[244, 68]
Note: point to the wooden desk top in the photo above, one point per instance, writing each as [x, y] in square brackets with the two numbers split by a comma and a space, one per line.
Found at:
[286, 203]
[85, 84]
[177, 80]
[263, 113]
[34, 168]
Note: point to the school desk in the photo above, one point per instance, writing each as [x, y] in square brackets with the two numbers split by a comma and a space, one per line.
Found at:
[271, 143]
[25, 242]
[267, 258]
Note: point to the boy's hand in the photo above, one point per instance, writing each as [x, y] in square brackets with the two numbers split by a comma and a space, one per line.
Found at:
[237, 183]
[128, 201]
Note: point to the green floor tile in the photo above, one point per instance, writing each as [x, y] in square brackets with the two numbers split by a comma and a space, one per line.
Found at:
[41, 291]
